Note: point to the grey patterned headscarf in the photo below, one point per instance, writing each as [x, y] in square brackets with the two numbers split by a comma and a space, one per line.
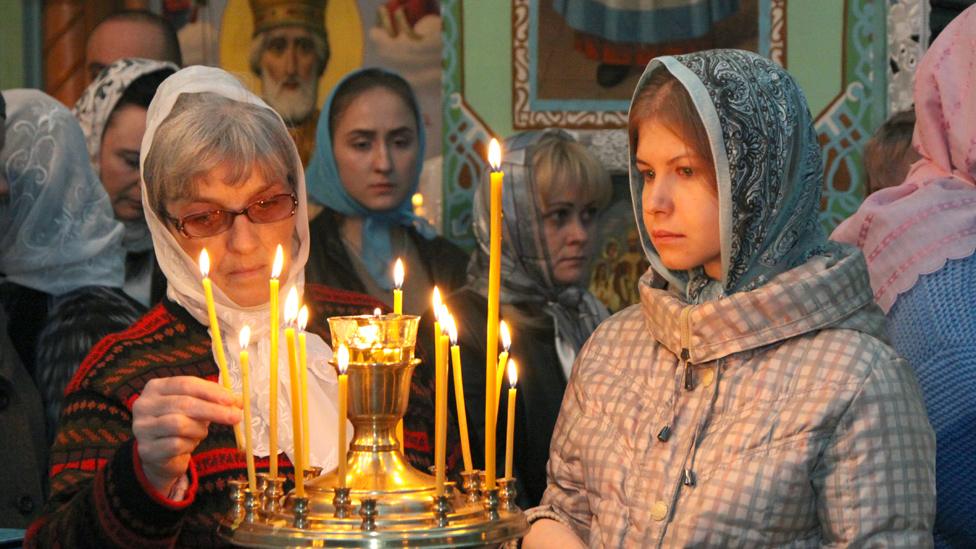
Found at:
[57, 231]
[767, 165]
[526, 273]
[93, 110]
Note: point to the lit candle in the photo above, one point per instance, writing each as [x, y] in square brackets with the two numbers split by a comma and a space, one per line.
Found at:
[218, 344]
[303, 361]
[398, 287]
[398, 275]
[291, 314]
[510, 426]
[279, 260]
[459, 394]
[494, 283]
[506, 337]
[436, 307]
[246, 389]
[342, 361]
[440, 401]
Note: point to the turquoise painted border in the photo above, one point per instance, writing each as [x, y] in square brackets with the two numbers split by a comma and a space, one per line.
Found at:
[765, 26]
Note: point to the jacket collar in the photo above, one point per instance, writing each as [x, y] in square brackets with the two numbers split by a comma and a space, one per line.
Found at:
[828, 291]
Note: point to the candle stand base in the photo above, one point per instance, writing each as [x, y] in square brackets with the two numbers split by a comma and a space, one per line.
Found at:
[383, 501]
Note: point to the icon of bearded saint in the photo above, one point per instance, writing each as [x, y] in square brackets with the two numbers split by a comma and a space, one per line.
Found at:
[289, 53]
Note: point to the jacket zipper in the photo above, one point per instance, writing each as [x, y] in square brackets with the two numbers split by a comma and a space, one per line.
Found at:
[685, 322]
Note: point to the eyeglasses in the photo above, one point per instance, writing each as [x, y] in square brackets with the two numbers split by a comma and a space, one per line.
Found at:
[214, 222]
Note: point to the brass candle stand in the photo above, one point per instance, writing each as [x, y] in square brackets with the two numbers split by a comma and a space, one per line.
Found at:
[383, 501]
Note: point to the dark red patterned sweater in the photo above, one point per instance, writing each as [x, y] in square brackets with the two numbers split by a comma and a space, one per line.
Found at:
[99, 496]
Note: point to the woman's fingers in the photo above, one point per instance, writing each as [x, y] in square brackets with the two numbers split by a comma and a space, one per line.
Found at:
[191, 407]
[178, 425]
[193, 397]
[171, 417]
[195, 387]
[161, 450]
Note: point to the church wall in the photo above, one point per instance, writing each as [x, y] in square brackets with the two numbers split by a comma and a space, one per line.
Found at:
[12, 46]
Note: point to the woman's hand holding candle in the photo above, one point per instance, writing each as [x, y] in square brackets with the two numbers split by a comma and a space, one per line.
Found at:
[171, 417]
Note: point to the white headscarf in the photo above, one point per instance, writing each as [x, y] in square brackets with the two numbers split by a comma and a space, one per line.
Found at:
[184, 288]
[93, 110]
[57, 229]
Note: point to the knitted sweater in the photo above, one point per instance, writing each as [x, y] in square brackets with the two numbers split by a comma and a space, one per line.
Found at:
[99, 494]
[933, 325]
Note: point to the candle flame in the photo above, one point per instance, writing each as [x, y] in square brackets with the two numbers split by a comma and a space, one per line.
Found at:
[303, 318]
[204, 263]
[342, 358]
[245, 336]
[398, 273]
[452, 329]
[505, 334]
[291, 305]
[495, 155]
[436, 300]
[443, 316]
[512, 372]
[377, 312]
[279, 262]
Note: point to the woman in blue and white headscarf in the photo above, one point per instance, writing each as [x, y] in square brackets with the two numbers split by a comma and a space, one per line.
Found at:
[368, 155]
[750, 398]
[61, 264]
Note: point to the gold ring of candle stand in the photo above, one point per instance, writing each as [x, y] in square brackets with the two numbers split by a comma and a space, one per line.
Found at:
[390, 503]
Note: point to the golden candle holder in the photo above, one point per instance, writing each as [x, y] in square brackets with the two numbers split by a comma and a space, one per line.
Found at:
[383, 501]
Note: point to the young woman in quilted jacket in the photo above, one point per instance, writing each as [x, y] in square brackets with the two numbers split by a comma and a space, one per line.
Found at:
[750, 398]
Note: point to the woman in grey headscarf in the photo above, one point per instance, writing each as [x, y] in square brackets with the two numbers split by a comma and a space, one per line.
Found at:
[554, 192]
[60, 261]
[112, 114]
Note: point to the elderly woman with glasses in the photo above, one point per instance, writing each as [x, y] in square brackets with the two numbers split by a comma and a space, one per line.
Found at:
[146, 443]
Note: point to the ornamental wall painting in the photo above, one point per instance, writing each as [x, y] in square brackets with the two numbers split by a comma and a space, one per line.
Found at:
[576, 62]
[566, 76]
[294, 62]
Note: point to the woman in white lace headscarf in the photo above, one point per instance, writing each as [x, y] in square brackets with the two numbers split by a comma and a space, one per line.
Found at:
[60, 260]
[112, 113]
